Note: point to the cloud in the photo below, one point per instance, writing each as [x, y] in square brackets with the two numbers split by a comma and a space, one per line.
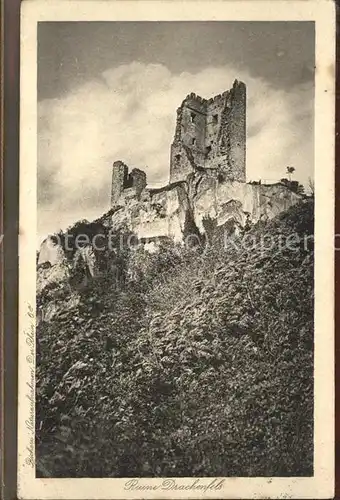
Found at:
[129, 113]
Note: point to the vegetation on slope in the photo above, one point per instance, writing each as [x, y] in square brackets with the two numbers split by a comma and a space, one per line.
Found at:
[198, 363]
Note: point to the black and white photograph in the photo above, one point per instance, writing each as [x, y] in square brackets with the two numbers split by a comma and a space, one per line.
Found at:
[172, 333]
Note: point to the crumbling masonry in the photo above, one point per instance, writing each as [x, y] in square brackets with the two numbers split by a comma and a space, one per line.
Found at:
[207, 176]
[210, 135]
[125, 183]
[207, 186]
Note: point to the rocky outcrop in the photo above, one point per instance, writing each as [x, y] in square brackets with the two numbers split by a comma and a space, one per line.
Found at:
[222, 200]
[163, 212]
[51, 252]
[207, 175]
[177, 211]
[59, 280]
[207, 189]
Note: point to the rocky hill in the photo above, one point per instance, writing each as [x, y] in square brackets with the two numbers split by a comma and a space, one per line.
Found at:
[162, 212]
[192, 360]
[178, 212]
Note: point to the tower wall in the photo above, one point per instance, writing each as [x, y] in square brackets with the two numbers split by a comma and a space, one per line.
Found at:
[236, 127]
[125, 184]
[194, 125]
[215, 110]
[216, 150]
[180, 165]
[119, 180]
[137, 179]
[211, 134]
[188, 148]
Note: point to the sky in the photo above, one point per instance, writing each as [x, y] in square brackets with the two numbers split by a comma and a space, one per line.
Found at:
[109, 91]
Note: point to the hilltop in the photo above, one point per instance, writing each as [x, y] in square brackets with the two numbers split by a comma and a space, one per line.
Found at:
[188, 361]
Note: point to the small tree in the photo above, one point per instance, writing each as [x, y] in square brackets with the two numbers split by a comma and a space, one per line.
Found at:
[290, 171]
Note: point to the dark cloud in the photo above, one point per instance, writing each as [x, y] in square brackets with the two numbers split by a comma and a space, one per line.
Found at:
[71, 53]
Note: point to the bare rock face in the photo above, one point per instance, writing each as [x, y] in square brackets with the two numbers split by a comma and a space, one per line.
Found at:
[51, 251]
[54, 294]
[163, 212]
[52, 267]
[59, 281]
[176, 211]
[222, 200]
[160, 213]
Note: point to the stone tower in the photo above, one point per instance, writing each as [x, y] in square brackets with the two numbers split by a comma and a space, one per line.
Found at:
[120, 173]
[126, 184]
[211, 134]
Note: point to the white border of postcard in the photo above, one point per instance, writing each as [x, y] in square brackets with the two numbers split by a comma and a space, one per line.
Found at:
[321, 485]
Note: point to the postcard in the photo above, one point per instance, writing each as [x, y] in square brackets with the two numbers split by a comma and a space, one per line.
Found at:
[176, 255]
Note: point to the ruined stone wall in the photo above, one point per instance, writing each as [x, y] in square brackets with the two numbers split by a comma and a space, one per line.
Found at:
[194, 125]
[119, 180]
[215, 110]
[188, 147]
[137, 179]
[236, 131]
[181, 166]
[212, 133]
[216, 133]
[162, 212]
[125, 184]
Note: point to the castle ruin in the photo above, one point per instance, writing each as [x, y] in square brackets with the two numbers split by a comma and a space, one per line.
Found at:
[207, 178]
[207, 175]
[210, 135]
[126, 184]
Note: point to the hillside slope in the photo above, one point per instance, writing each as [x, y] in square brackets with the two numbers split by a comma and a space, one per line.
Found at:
[198, 363]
